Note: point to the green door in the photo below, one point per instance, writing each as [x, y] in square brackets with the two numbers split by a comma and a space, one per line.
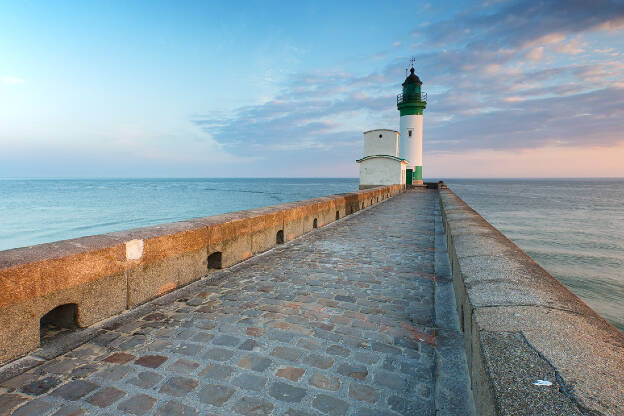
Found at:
[408, 176]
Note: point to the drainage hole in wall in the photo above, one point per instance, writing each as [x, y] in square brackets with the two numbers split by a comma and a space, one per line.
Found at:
[59, 320]
[279, 237]
[337, 215]
[214, 260]
[315, 223]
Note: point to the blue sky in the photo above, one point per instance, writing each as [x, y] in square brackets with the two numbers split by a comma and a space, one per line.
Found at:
[196, 89]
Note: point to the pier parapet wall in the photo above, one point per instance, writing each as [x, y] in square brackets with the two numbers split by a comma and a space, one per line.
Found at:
[97, 277]
[524, 330]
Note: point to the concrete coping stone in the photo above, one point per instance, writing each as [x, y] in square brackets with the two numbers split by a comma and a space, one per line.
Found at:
[58, 249]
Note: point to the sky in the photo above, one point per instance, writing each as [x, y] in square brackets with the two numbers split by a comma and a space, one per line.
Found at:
[519, 88]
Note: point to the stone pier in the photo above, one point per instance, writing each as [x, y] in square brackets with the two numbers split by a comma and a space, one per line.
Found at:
[355, 318]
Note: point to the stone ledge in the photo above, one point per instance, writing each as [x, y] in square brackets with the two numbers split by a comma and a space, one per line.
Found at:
[521, 324]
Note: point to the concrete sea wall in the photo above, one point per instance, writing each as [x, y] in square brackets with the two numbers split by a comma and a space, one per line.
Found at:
[533, 347]
[97, 277]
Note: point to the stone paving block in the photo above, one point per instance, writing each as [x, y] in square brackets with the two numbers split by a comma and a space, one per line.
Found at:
[178, 386]
[287, 353]
[386, 349]
[255, 332]
[390, 380]
[309, 344]
[282, 336]
[159, 345]
[338, 350]
[406, 407]
[226, 340]
[217, 371]
[84, 370]
[175, 408]
[215, 394]
[330, 405]
[324, 381]
[41, 386]
[114, 373]
[343, 298]
[9, 402]
[35, 408]
[146, 379]
[366, 358]
[291, 373]
[137, 405]
[119, 358]
[363, 392]
[151, 361]
[326, 335]
[357, 371]
[183, 366]
[253, 406]
[365, 411]
[248, 345]
[254, 362]
[105, 338]
[131, 342]
[250, 381]
[218, 354]
[318, 361]
[295, 412]
[74, 390]
[69, 410]
[202, 337]
[19, 381]
[286, 392]
[106, 397]
[187, 349]
[60, 366]
[205, 324]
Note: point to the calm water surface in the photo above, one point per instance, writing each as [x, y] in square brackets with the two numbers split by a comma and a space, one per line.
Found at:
[572, 228]
[41, 211]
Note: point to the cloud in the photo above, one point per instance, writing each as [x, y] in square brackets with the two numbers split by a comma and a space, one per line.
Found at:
[524, 22]
[538, 122]
[535, 54]
[499, 33]
[574, 47]
[497, 80]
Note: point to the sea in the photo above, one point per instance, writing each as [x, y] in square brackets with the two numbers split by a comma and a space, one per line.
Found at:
[574, 228]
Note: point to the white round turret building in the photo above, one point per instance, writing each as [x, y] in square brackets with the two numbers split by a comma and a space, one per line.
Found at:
[381, 164]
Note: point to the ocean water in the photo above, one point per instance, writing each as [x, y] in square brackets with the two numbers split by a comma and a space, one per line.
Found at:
[35, 211]
[572, 228]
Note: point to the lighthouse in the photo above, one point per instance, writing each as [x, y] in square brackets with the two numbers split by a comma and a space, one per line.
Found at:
[411, 103]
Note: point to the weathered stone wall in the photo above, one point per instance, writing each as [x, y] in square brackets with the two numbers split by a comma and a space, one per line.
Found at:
[521, 325]
[106, 274]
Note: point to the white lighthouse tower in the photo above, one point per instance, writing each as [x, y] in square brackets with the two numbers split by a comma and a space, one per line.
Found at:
[411, 104]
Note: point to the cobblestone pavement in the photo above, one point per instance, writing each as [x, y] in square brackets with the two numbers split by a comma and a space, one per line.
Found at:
[343, 321]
